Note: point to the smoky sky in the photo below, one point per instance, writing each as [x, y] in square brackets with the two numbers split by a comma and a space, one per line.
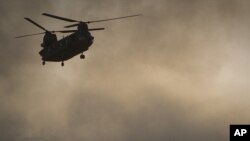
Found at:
[179, 72]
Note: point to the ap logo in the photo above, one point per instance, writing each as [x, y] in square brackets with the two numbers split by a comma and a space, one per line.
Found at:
[239, 132]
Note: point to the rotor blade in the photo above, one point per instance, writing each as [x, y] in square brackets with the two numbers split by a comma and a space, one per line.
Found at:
[64, 31]
[29, 35]
[60, 18]
[72, 25]
[28, 19]
[114, 18]
[61, 31]
[94, 29]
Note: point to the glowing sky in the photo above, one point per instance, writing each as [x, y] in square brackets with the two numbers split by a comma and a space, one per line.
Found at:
[179, 72]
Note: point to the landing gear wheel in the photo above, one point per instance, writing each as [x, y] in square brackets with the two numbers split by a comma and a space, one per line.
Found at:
[82, 56]
[62, 64]
[43, 62]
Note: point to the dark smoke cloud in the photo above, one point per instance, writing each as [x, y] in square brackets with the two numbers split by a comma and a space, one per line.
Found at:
[179, 72]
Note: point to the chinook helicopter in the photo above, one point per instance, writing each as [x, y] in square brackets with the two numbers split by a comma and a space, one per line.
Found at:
[79, 41]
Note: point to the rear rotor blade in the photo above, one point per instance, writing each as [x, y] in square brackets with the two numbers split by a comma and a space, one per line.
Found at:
[114, 18]
[72, 25]
[94, 29]
[64, 31]
[28, 19]
[69, 31]
[29, 35]
[60, 18]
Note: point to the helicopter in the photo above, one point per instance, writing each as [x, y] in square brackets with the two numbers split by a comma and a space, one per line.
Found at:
[79, 41]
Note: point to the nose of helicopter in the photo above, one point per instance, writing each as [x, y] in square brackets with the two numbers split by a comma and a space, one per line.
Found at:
[91, 37]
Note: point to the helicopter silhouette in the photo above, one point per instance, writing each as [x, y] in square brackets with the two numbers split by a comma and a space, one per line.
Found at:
[79, 41]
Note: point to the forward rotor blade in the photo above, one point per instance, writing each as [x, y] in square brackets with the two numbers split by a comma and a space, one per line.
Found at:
[94, 29]
[60, 18]
[114, 18]
[29, 35]
[28, 19]
[61, 31]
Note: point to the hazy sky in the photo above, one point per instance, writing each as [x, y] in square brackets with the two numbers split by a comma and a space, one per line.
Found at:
[178, 73]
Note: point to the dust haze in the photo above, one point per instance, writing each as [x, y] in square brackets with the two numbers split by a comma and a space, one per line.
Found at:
[179, 72]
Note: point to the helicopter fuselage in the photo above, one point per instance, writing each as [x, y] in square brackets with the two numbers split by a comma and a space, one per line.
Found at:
[76, 43]
[67, 47]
